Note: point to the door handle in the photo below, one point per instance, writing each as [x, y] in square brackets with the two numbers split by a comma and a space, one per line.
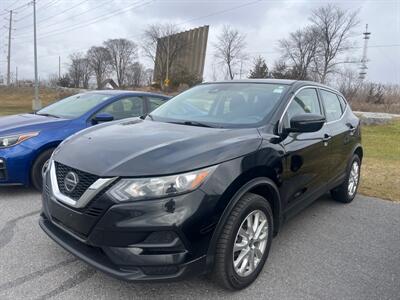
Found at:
[326, 139]
[352, 129]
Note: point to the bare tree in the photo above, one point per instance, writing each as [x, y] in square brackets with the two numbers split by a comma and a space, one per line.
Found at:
[79, 70]
[136, 74]
[100, 63]
[86, 72]
[122, 52]
[162, 43]
[260, 69]
[299, 50]
[229, 49]
[75, 70]
[334, 29]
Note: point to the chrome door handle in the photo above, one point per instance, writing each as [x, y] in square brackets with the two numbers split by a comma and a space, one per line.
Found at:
[326, 139]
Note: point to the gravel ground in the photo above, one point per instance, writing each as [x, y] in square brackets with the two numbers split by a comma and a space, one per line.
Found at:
[329, 251]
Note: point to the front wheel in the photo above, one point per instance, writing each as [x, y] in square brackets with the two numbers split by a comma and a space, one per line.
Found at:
[38, 168]
[347, 191]
[244, 243]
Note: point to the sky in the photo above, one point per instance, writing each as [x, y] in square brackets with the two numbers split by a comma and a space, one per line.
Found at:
[67, 26]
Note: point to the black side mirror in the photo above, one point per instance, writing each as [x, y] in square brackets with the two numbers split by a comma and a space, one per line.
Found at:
[306, 123]
[102, 117]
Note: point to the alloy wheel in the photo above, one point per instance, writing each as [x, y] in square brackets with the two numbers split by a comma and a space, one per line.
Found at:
[353, 178]
[250, 243]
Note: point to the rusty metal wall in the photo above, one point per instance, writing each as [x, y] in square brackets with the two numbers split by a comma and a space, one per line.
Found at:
[192, 59]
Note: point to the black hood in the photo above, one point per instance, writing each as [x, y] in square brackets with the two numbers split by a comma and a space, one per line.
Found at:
[149, 148]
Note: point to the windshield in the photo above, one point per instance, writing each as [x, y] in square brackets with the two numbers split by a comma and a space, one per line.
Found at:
[74, 106]
[222, 104]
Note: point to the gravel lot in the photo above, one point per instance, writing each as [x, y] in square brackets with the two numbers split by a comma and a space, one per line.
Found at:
[329, 251]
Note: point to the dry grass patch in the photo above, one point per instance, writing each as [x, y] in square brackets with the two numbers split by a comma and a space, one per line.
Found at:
[380, 175]
[19, 100]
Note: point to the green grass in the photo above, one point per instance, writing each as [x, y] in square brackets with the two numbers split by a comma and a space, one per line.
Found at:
[380, 175]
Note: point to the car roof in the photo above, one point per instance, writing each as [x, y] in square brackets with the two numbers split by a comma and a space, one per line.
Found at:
[291, 82]
[123, 92]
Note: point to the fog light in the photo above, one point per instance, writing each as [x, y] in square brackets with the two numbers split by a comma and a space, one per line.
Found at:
[136, 251]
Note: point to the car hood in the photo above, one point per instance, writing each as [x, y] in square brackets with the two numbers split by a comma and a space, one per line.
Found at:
[27, 122]
[148, 148]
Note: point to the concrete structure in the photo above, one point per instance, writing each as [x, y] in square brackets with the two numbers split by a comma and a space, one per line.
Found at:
[183, 51]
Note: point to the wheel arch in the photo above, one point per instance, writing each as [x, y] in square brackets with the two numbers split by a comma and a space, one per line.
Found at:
[38, 152]
[263, 186]
[359, 151]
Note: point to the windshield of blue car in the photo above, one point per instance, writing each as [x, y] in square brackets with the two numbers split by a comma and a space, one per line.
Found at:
[74, 106]
[222, 105]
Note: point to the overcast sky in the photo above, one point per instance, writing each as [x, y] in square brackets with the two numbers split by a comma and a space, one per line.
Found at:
[67, 26]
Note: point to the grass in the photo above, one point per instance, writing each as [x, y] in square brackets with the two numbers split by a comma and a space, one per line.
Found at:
[380, 176]
[14, 101]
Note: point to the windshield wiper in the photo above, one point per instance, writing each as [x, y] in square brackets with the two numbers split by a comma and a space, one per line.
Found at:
[49, 115]
[194, 123]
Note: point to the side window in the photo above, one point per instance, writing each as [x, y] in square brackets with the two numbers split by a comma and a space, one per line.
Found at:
[155, 102]
[333, 108]
[342, 103]
[305, 102]
[125, 108]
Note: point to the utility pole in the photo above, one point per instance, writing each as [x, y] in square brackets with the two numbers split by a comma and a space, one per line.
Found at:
[9, 50]
[364, 60]
[36, 105]
[59, 67]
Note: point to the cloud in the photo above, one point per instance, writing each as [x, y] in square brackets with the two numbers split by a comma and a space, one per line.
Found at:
[263, 22]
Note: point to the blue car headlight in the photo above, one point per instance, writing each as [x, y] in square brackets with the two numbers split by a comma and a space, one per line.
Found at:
[12, 140]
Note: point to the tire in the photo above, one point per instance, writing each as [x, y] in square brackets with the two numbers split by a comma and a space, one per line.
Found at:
[224, 272]
[37, 168]
[343, 193]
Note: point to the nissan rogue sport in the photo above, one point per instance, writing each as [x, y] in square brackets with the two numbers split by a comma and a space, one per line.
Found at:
[204, 182]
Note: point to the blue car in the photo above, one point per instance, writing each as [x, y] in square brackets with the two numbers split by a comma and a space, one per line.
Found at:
[28, 140]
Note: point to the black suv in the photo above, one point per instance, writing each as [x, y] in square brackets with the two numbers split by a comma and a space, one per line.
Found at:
[203, 183]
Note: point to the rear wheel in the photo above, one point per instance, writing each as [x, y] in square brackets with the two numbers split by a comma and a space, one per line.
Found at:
[38, 168]
[347, 191]
[244, 243]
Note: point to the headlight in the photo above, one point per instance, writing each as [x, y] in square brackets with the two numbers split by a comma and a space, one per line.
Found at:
[157, 187]
[12, 140]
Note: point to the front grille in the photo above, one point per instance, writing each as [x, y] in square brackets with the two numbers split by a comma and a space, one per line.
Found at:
[3, 170]
[85, 180]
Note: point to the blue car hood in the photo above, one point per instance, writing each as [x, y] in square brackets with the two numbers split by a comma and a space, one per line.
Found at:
[28, 122]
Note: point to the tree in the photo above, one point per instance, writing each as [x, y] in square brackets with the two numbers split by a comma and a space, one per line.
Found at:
[260, 69]
[64, 81]
[229, 49]
[333, 29]
[300, 51]
[100, 63]
[79, 70]
[136, 74]
[164, 46]
[122, 52]
[75, 70]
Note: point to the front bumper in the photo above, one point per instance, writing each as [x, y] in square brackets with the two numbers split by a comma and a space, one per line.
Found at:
[15, 165]
[162, 239]
[97, 258]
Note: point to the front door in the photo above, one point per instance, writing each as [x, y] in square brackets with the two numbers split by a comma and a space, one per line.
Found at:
[306, 163]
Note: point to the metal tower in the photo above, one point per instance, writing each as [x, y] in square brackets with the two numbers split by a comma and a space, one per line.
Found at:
[364, 60]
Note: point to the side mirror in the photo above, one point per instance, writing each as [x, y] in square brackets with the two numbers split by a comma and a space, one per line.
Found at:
[102, 117]
[306, 123]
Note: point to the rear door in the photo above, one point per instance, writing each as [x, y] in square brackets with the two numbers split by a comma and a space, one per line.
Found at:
[339, 131]
[307, 154]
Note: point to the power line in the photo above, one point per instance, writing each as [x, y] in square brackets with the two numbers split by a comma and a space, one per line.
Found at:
[60, 22]
[93, 20]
